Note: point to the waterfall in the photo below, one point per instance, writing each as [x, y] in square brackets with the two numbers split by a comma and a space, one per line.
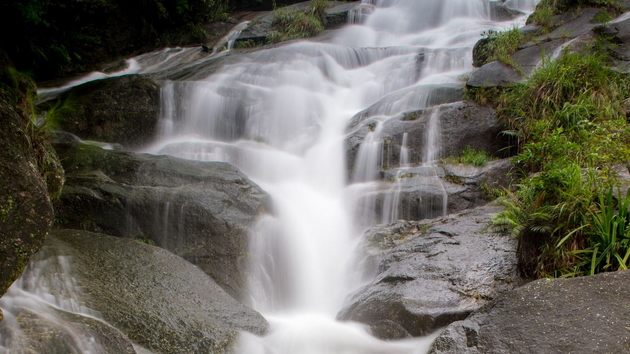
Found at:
[281, 115]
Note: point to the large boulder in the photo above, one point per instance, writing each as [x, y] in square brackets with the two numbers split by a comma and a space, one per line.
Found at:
[201, 211]
[154, 297]
[432, 273]
[494, 74]
[53, 331]
[26, 212]
[123, 110]
[462, 124]
[580, 315]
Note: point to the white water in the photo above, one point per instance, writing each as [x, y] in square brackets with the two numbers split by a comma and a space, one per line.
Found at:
[280, 115]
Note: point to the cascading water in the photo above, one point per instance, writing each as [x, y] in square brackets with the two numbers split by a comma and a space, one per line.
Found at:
[280, 115]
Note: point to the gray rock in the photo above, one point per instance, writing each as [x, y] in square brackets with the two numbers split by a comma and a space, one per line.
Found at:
[337, 16]
[122, 110]
[572, 25]
[432, 273]
[500, 12]
[619, 34]
[157, 299]
[201, 211]
[26, 212]
[494, 74]
[39, 333]
[462, 124]
[581, 315]
[531, 57]
[480, 52]
[419, 192]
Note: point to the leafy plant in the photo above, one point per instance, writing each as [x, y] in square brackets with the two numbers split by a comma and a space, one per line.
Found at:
[610, 235]
[570, 121]
[501, 45]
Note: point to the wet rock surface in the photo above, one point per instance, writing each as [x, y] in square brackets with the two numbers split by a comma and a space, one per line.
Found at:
[201, 211]
[26, 212]
[123, 110]
[41, 334]
[580, 315]
[156, 298]
[419, 191]
[462, 124]
[431, 273]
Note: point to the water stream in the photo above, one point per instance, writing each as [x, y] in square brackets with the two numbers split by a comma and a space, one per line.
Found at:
[281, 115]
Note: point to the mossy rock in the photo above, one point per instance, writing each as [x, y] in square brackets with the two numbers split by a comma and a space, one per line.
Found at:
[123, 110]
[25, 209]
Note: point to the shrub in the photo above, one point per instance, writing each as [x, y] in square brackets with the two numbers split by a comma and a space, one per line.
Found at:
[570, 121]
[501, 45]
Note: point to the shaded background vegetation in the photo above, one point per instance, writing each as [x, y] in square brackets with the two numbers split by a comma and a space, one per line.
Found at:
[52, 38]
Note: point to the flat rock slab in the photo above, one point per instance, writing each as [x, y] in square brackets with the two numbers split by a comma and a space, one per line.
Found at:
[432, 273]
[574, 25]
[580, 316]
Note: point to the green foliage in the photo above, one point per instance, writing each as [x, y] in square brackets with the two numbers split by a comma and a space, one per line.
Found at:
[61, 36]
[610, 236]
[471, 156]
[546, 9]
[570, 121]
[602, 17]
[501, 45]
[290, 23]
[543, 14]
[146, 240]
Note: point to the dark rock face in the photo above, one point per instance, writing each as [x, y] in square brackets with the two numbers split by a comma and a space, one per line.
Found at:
[500, 12]
[40, 334]
[619, 34]
[580, 315]
[123, 110]
[26, 212]
[201, 211]
[462, 124]
[419, 192]
[494, 74]
[156, 298]
[338, 16]
[432, 273]
[480, 52]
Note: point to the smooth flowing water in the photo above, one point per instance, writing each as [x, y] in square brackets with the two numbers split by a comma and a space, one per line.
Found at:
[281, 115]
